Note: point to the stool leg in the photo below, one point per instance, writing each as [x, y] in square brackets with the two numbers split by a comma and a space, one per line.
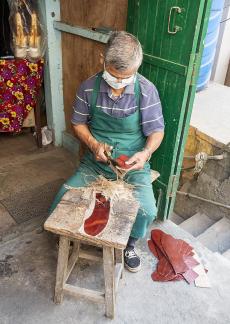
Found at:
[63, 255]
[119, 258]
[109, 272]
[73, 258]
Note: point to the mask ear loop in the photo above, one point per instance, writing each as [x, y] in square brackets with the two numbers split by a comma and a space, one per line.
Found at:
[112, 78]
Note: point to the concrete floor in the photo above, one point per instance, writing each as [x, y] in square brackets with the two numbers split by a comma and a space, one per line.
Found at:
[28, 258]
[26, 288]
[25, 168]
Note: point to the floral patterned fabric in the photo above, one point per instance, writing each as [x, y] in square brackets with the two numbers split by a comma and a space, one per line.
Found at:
[20, 81]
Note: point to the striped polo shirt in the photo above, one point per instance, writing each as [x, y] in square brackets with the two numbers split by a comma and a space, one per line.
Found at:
[122, 106]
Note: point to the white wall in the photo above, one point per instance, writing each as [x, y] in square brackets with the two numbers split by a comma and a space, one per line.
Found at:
[222, 57]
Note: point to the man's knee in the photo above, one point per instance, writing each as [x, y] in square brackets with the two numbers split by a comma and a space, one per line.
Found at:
[147, 201]
[82, 177]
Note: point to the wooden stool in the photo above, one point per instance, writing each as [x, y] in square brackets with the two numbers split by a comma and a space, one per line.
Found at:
[67, 220]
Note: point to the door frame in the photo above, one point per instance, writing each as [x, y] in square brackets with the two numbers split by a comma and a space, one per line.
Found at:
[53, 79]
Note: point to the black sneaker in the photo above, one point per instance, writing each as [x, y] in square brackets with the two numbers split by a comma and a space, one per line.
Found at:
[132, 260]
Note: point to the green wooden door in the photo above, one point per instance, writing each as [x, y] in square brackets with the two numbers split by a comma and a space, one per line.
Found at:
[171, 33]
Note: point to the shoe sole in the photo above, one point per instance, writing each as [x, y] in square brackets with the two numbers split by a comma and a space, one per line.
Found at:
[133, 269]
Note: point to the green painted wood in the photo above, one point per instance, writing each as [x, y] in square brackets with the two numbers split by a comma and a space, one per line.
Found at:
[191, 96]
[164, 64]
[53, 72]
[170, 67]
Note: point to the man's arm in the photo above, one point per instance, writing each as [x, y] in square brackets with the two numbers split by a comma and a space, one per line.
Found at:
[152, 122]
[83, 133]
[80, 119]
[152, 143]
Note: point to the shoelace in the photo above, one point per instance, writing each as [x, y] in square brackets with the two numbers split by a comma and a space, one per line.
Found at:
[130, 254]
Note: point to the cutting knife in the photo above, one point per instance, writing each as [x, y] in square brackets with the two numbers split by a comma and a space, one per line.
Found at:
[113, 165]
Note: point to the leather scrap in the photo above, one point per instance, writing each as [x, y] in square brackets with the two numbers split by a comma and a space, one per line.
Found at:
[202, 280]
[164, 271]
[176, 258]
[121, 161]
[98, 220]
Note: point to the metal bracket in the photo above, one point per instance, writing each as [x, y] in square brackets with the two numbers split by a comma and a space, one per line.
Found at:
[194, 68]
[176, 28]
[173, 184]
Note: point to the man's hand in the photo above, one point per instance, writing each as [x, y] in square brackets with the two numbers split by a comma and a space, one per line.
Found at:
[153, 142]
[83, 133]
[138, 160]
[98, 150]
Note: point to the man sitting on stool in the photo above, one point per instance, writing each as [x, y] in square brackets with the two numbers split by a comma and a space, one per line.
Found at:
[119, 110]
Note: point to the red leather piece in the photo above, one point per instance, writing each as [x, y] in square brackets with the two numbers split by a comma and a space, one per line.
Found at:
[175, 258]
[165, 271]
[156, 238]
[123, 157]
[155, 250]
[173, 249]
[121, 161]
[99, 217]
[161, 277]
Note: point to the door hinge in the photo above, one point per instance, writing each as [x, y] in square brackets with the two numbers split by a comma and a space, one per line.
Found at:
[173, 186]
[194, 70]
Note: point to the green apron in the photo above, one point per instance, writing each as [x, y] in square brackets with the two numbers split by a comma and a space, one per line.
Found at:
[126, 136]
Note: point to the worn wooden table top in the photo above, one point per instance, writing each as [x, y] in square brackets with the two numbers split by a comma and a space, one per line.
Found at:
[78, 204]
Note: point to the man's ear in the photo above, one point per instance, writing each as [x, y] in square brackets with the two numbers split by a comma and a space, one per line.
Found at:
[101, 59]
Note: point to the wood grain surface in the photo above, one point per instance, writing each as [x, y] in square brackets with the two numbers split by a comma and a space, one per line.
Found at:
[77, 205]
[80, 55]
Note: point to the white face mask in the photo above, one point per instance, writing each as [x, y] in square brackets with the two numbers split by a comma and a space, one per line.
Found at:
[112, 81]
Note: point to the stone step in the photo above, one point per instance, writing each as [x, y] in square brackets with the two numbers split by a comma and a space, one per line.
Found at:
[217, 237]
[197, 224]
[176, 219]
[226, 254]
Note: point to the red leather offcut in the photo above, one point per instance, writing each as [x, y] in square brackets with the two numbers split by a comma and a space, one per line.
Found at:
[121, 161]
[99, 217]
[175, 258]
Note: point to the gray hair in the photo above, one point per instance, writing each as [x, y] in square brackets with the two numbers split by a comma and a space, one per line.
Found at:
[123, 51]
